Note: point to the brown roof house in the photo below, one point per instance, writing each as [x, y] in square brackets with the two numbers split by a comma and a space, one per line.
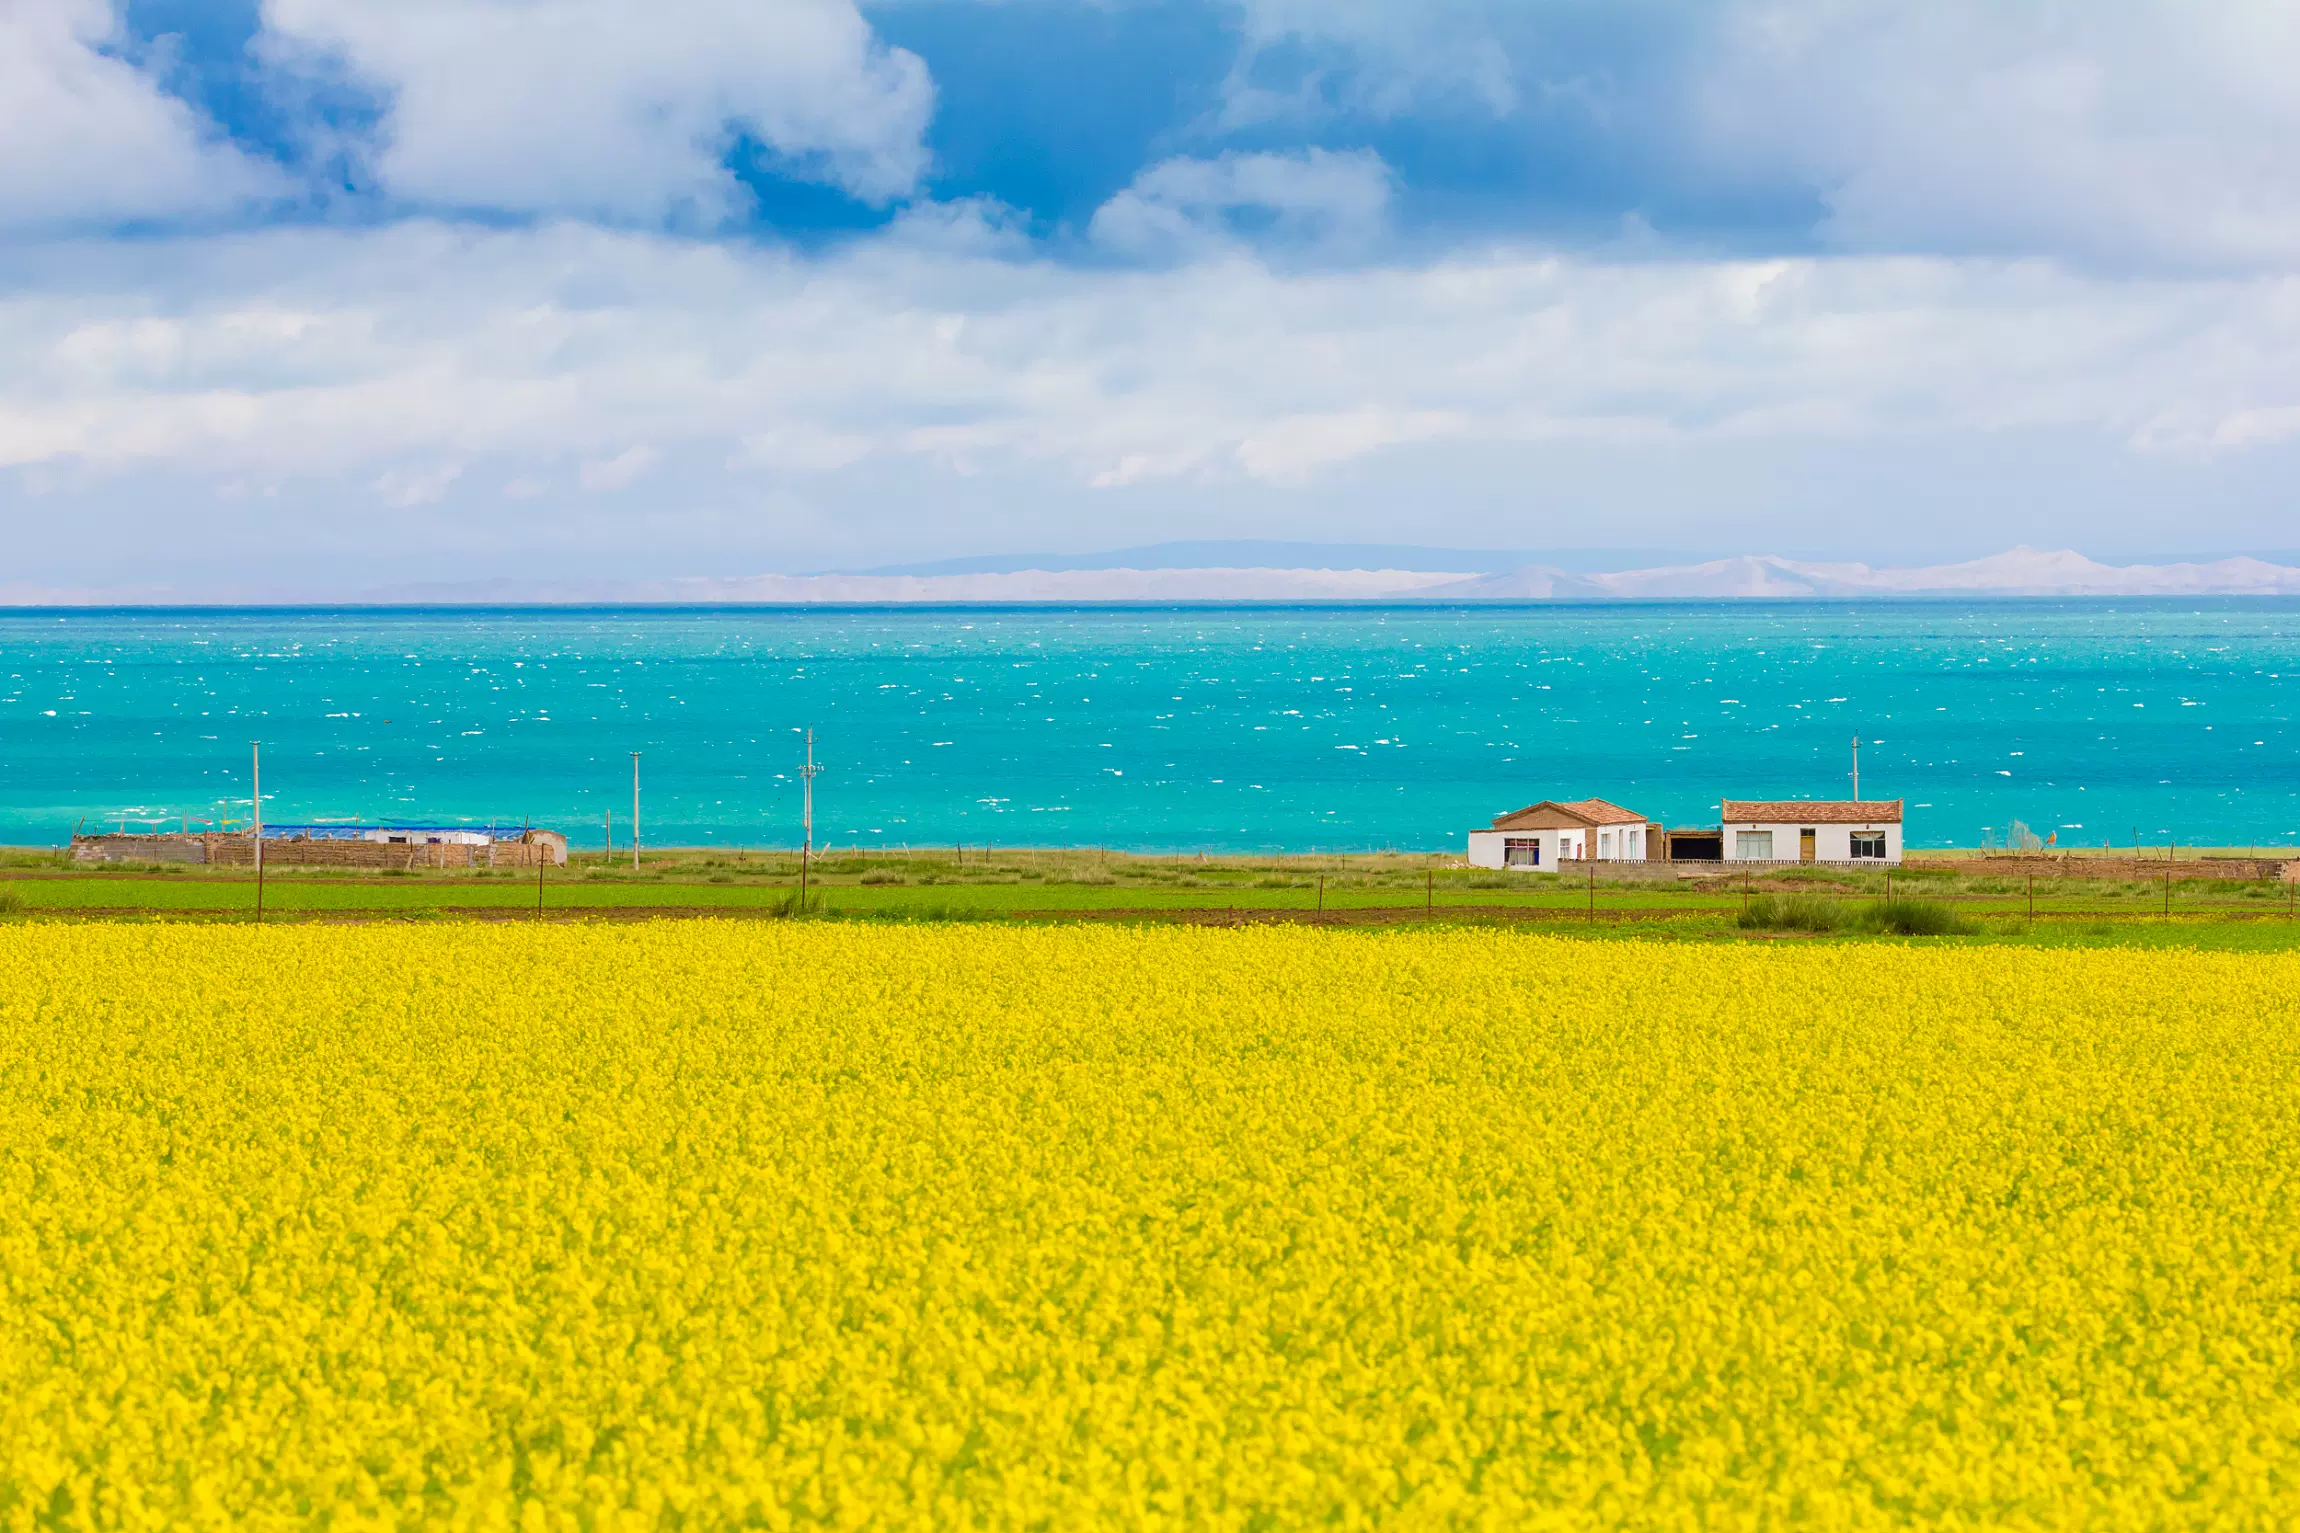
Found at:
[1813, 830]
[1540, 836]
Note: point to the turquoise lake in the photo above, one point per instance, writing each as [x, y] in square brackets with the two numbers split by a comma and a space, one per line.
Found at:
[1235, 728]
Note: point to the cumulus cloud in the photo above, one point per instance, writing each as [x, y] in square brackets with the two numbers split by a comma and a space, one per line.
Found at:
[544, 353]
[2143, 133]
[2146, 132]
[1315, 199]
[619, 472]
[408, 487]
[1382, 58]
[86, 138]
[609, 108]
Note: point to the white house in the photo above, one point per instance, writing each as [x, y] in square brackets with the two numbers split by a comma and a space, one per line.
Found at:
[1813, 830]
[1540, 836]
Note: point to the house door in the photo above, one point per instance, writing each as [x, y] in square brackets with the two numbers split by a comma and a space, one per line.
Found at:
[1805, 846]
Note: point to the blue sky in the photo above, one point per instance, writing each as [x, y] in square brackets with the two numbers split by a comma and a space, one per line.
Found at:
[1051, 107]
[313, 294]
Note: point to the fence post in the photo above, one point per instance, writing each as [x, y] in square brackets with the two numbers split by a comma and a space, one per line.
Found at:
[1593, 894]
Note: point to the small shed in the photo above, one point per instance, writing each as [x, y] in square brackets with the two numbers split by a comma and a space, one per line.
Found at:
[1813, 830]
[1541, 836]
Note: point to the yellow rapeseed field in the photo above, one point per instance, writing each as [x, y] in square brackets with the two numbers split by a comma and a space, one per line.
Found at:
[793, 1225]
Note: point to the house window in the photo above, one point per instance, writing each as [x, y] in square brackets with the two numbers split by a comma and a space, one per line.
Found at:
[1521, 852]
[1755, 845]
[1868, 843]
[1605, 843]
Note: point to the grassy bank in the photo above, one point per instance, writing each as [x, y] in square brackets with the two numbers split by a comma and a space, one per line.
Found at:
[1386, 889]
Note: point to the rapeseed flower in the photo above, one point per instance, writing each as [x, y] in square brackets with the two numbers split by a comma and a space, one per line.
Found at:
[794, 1225]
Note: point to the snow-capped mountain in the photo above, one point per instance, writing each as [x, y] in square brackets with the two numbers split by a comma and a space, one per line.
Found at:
[2016, 572]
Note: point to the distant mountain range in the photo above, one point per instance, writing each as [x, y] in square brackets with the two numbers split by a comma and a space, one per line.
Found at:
[1265, 554]
[1225, 572]
[1431, 577]
[2018, 572]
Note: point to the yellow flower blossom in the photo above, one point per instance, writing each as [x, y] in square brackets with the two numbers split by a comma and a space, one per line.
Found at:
[804, 1226]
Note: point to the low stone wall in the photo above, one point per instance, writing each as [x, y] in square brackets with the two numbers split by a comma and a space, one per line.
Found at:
[289, 852]
[1655, 871]
[139, 849]
[238, 851]
[2236, 869]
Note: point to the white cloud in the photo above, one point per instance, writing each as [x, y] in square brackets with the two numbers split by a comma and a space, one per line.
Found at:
[1385, 58]
[1318, 199]
[405, 487]
[2136, 133]
[619, 472]
[2146, 131]
[611, 108]
[387, 354]
[88, 139]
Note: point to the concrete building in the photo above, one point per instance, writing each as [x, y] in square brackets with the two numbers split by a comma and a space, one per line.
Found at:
[1540, 836]
[1812, 830]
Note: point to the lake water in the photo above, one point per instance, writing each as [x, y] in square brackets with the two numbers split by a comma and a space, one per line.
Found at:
[1243, 728]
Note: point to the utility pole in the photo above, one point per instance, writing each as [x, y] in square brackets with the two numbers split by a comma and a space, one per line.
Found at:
[256, 804]
[1856, 768]
[807, 817]
[634, 811]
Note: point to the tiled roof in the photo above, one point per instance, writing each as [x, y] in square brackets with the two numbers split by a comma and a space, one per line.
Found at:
[1553, 814]
[1603, 813]
[1800, 811]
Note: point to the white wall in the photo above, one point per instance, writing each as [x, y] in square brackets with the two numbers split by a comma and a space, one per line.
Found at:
[1831, 843]
[1621, 843]
[1487, 847]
